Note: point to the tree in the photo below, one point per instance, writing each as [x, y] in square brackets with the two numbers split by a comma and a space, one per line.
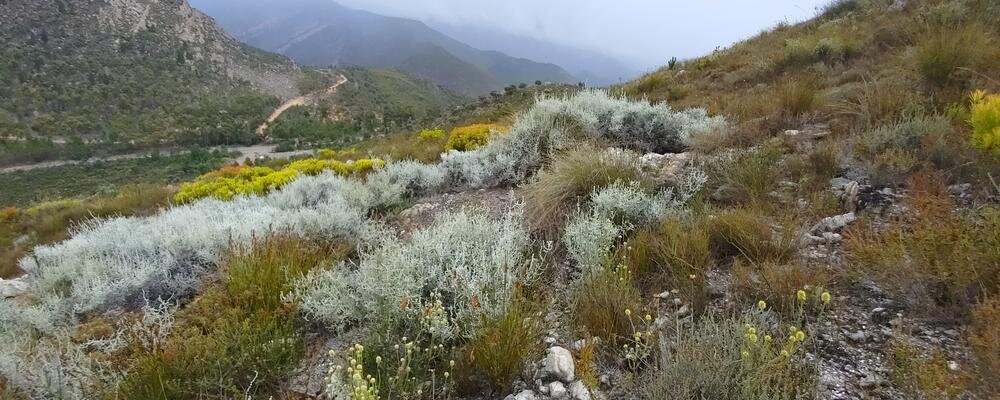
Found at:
[538, 83]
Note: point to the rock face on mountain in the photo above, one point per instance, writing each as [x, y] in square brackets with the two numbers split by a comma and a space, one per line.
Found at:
[78, 67]
[324, 33]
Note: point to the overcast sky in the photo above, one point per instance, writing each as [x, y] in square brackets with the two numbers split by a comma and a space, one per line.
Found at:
[644, 33]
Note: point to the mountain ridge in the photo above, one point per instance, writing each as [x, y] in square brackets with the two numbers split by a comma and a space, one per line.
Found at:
[322, 33]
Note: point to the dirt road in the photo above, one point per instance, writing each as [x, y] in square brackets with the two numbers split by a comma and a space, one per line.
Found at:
[298, 101]
[239, 154]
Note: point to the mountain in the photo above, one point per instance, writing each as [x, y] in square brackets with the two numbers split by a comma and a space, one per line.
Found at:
[592, 67]
[137, 71]
[324, 33]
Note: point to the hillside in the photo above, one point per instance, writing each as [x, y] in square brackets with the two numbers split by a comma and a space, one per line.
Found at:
[372, 102]
[813, 213]
[324, 33]
[128, 74]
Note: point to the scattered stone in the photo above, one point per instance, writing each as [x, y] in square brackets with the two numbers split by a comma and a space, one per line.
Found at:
[667, 167]
[12, 288]
[833, 224]
[604, 379]
[831, 237]
[961, 190]
[558, 364]
[817, 131]
[953, 365]
[726, 194]
[557, 390]
[871, 381]
[838, 184]
[684, 310]
[951, 333]
[858, 337]
[549, 340]
[664, 295]
[523, 395]
[578, 391]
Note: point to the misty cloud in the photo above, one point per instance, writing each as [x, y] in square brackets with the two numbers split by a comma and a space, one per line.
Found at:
[644, 33]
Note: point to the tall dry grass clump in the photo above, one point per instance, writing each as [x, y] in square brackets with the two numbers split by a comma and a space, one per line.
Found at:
[558, 190]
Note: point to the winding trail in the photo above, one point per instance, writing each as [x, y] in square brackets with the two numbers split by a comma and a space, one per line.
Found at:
[298, 101]
[256, 151]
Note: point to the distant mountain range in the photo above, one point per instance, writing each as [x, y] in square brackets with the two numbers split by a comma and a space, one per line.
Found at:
[324, 33]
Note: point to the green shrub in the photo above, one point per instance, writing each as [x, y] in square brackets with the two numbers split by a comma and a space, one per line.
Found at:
[985, 121]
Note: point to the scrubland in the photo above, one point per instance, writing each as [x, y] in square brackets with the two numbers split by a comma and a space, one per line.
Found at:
[811, 213]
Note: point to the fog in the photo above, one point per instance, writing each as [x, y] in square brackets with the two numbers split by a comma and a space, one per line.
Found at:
[643, 33]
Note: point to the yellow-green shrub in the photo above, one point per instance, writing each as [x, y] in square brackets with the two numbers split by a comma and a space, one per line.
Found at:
[432, 134]
[985, 120]
[471, 137]
[233, 181]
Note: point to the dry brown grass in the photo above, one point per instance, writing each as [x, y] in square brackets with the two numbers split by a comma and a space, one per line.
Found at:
[600, 302]
[924, 374]
[937, 260]
[503, 347]
[571, 179]
[984, 340]
[776, 284]
[749, 234]
[675, 254]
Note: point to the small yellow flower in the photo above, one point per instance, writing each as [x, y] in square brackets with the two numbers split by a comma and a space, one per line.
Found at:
[753, 338]
[649, 317]
[761, 305]
[745, 354]
[825, 297]
[751, 330]
[628, 312]
[801, 294]
[800, 336]
[692, 276]
[784, 353]
[767, 338]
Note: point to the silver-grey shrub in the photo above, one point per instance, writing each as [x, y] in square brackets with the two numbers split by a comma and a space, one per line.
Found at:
[554, 124]
[466, 257]
[121, 261]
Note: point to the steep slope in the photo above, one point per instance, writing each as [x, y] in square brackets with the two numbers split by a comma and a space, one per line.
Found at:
[594, 68]
[141, 71]
[324, 33]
